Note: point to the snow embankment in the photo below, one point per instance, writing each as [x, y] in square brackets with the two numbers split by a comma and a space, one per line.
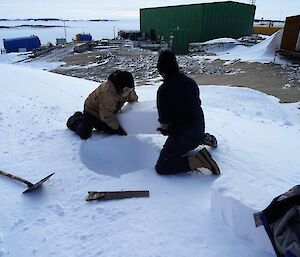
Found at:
[258, 144]
[262, 52]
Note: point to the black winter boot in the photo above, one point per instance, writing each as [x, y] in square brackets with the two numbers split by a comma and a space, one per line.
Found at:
[74, 120]
[210, 140]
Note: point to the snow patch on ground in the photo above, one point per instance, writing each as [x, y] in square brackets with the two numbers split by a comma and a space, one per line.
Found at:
[221, 40]
[262, 52]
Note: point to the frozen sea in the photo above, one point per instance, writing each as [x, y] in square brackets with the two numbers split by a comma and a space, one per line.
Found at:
[55, 29]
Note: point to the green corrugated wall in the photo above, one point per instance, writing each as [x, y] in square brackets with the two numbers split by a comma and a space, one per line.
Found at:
[198, 22]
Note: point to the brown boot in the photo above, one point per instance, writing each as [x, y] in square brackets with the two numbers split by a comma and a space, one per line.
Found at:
[203, 159]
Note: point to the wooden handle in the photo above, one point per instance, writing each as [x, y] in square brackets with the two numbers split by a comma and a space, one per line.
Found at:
[29, 184]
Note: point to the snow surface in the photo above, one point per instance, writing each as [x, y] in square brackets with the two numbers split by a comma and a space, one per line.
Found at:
[263, 52]
[186, 215]
[221, 41]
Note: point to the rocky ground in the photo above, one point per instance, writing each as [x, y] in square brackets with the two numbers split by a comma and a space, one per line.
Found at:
[282, 81]
[277, 80]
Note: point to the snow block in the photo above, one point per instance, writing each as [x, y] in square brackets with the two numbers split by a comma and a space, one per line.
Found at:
[139, 118]
[237, 211]
[115, 156]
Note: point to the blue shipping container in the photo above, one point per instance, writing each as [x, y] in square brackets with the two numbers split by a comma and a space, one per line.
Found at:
[85, 37]
[17, 44]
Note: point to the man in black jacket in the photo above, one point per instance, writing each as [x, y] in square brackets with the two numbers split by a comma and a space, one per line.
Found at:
[182, 120]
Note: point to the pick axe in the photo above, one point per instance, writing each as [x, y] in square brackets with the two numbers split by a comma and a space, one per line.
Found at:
[31, 186]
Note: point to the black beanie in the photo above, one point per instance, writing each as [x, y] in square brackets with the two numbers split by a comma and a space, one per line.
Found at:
[121, 79]
[167, 63]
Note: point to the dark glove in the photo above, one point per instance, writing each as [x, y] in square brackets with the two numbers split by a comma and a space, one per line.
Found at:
[120, 131]
[165, 132]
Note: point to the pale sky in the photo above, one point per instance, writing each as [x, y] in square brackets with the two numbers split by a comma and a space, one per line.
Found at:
[116, 9]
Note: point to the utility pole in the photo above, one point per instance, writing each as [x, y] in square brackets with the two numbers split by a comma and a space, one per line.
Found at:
[65, 31]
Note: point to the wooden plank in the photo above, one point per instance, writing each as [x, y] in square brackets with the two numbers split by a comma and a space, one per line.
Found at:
[113, 195]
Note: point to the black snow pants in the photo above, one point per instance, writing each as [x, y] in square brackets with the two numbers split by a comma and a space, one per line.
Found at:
[172, 157]
[88, 123]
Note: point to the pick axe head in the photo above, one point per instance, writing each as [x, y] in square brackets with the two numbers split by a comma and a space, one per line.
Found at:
[37, 185]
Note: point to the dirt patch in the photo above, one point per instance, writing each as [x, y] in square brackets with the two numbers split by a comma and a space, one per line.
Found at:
[280, 81]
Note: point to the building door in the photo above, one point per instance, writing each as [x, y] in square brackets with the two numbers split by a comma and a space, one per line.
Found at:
[179, 39]
[152, 35]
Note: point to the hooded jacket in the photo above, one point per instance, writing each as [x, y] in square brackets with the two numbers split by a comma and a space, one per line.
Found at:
[104, 102]
[179, 104]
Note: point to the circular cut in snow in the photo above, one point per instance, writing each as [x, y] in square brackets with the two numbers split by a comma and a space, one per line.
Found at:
[118, 155]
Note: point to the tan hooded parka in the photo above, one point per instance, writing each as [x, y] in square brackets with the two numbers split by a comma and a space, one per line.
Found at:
[105, 101]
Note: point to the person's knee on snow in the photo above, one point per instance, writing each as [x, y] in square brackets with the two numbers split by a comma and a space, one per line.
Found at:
[172, 160]
[83, 132]
[103, 127]
[160, 166]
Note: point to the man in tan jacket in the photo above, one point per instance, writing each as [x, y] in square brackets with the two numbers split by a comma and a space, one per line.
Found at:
[102, 104]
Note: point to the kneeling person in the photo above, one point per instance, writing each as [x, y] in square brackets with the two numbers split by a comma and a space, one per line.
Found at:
[102, 104]
[182, 120]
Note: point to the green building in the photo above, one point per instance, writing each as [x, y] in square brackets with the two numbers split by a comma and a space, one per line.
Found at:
[183, 24]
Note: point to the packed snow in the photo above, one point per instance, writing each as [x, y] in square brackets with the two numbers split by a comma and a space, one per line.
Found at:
[186, 215]
[229, 49]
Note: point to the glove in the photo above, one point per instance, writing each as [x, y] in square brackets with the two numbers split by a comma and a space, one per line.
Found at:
[164, 131]
[120, 131]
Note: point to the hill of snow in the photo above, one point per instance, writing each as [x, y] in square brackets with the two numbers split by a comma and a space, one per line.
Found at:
[186, 215]
[263, 52]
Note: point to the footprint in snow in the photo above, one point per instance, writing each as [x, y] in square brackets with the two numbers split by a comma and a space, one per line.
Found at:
[40, 221]
[18, 223]
[57, 209]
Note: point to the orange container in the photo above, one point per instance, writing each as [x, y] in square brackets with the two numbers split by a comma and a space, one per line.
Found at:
[291, 34]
